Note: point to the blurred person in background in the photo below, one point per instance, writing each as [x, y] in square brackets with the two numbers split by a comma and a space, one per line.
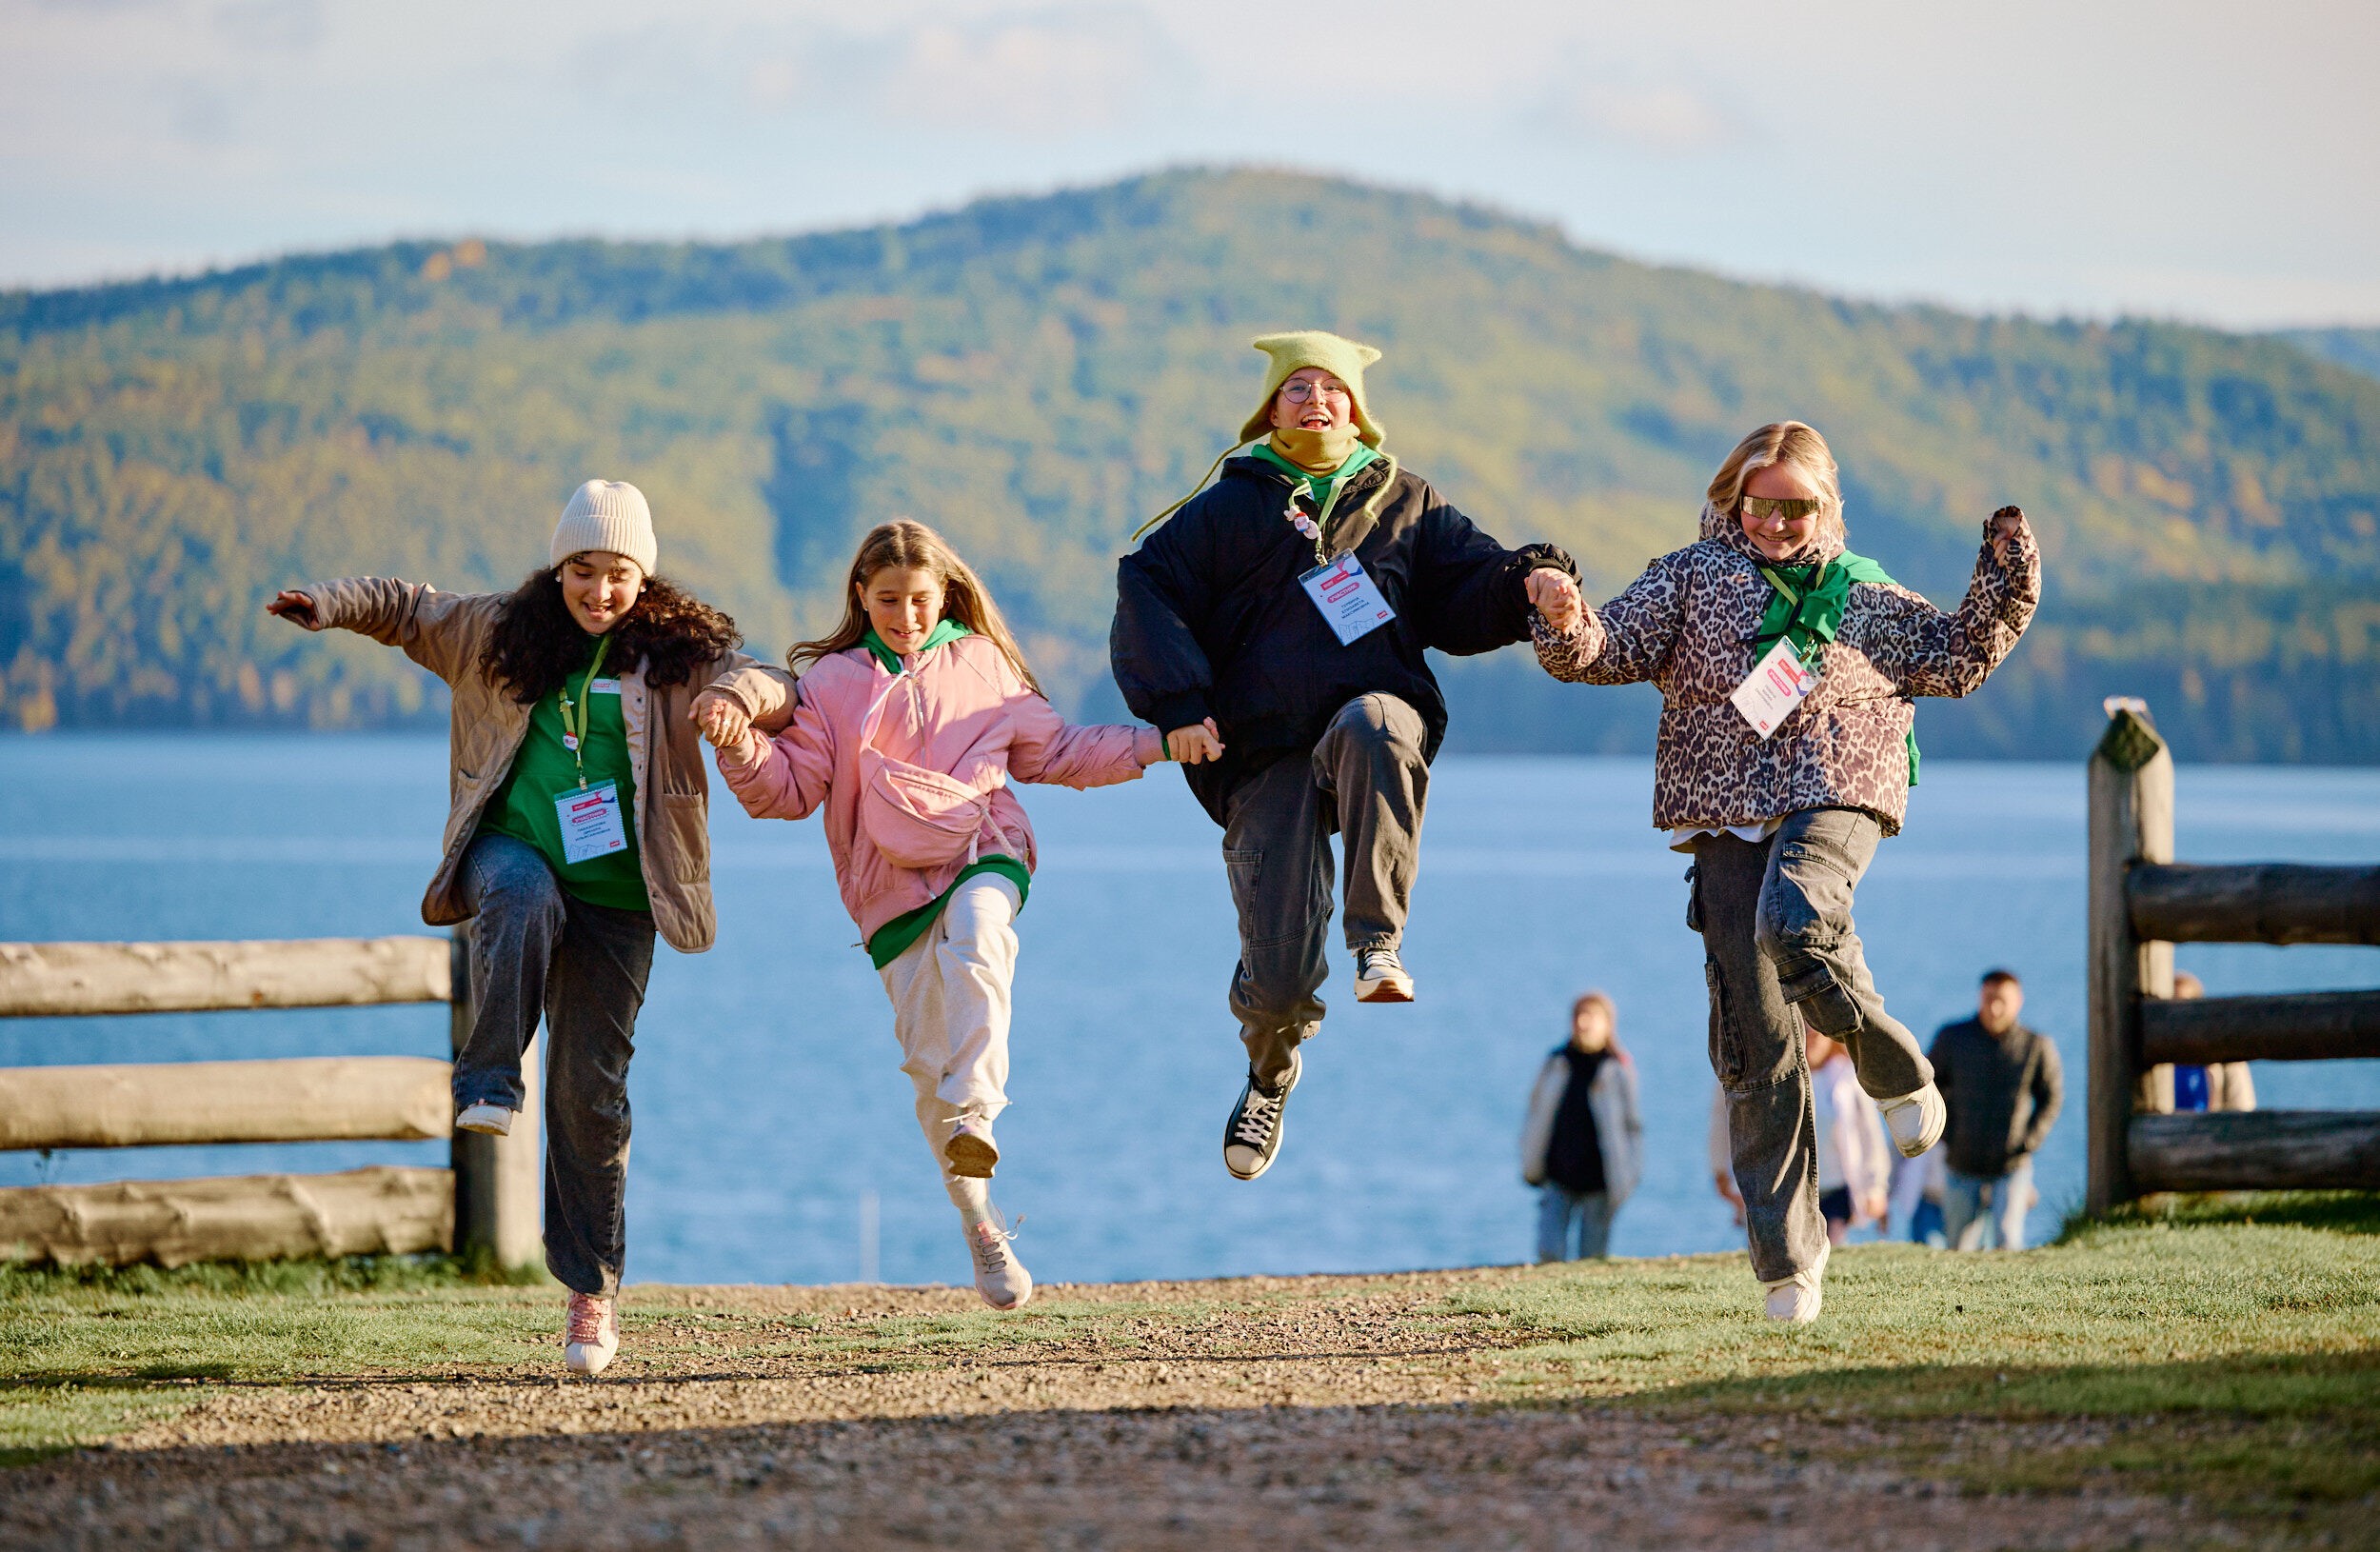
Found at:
[1722, 1156]
[1582, 1144]
[1916, 1208]
[2003, 1085]
[2186, 1086]
[1855, 1163]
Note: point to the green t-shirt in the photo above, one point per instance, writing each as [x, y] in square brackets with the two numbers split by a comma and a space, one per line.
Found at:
[524, 805]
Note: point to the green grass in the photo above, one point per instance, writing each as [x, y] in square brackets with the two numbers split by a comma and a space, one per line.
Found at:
[2225, 1347]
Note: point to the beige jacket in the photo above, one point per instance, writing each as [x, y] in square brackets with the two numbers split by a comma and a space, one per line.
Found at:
[445, 633]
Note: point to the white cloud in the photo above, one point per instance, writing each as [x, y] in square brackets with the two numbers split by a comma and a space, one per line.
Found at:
[1667, 118]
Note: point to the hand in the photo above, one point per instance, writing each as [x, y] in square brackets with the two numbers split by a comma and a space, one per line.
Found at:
[721, 719]
[1874, 1207]
[2006, 524]
[1195, 744]
[1553, 595]
[296, 607]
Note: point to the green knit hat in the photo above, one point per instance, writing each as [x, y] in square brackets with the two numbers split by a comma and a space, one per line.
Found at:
[1342, 358]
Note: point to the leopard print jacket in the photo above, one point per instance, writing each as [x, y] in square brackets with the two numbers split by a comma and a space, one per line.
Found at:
[1687, 624]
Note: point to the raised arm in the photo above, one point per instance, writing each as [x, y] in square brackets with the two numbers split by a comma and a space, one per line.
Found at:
[1627, 639]
[1925, 651]
[441, 631]
[1469, 593]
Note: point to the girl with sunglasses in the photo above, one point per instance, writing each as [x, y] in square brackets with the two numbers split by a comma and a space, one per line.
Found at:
[1787, 667]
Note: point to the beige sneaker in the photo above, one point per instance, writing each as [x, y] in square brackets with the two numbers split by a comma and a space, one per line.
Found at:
[487, 1118]
[971, 1151]
[1916, 1120]
[999, 1277]
[590, 1334]
[1794, 1300]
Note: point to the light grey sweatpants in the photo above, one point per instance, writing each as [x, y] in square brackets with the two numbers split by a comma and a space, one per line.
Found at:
[1779, 951]
[950, 998]
[1366, 780]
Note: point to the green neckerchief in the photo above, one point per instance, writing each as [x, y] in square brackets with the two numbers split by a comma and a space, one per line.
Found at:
[946, 630]
[1322, 490]
[1805, 606]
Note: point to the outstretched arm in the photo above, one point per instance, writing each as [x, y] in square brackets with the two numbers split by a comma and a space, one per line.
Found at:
[1468, 592]
[784, 777]
[1627, 641]
[435, 629]
[1925, 651]
[1043, 747]
[1163, 592]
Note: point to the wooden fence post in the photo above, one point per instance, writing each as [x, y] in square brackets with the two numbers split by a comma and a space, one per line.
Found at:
[2132, 821]
[499, 1181]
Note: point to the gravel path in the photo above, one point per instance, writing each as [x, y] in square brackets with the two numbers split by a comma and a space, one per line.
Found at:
[1350, 1419]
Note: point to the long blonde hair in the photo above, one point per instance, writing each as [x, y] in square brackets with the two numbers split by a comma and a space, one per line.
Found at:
[913, 546]
[1779, 442]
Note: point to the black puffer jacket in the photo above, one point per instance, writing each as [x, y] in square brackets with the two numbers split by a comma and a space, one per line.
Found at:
[1210, 620]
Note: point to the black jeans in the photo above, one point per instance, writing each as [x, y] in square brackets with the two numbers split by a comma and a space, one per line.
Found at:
[536, 947]
[1366, 779]
[1779, 952]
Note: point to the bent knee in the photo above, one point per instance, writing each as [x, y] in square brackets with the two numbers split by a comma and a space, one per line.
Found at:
[1383, 722]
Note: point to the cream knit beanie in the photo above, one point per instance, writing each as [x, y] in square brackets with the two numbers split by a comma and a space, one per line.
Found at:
[607, 514]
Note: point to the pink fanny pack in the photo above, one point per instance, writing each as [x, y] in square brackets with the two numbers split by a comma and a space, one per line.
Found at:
[918, 818]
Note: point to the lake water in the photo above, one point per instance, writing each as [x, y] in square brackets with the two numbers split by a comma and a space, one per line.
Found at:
[768, 1099]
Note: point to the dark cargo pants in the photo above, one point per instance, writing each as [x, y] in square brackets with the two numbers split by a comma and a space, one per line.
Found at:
[536, 948]
[1367, 781]
[1779, 952]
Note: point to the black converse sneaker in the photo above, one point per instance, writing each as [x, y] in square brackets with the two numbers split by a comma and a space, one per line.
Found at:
[1252, 1138]
[1381, 977]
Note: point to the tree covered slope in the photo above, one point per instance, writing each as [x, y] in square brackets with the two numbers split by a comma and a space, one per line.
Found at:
[1036, 376]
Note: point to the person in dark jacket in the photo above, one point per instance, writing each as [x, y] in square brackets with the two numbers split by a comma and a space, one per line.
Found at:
[1272, 629]
[1582, 1142]
[2003, 1085]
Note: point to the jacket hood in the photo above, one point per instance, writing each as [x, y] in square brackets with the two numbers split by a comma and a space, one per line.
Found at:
[1828, 542]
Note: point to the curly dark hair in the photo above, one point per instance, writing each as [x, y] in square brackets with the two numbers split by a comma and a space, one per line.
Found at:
[537, 644]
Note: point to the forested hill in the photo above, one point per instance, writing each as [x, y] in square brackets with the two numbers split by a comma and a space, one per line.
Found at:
[1035, 377]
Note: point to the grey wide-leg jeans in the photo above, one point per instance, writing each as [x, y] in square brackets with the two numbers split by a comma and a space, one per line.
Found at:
[536, 948]
[1367, 780]
[1778, 952]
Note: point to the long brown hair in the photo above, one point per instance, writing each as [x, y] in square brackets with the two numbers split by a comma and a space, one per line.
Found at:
[537, 643]
[913, 546]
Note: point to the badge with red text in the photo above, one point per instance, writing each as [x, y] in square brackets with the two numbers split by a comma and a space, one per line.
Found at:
[1345, 594]
[1778, 683]
[591, 823]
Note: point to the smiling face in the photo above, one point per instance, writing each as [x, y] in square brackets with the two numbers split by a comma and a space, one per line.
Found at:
[599, 587]
[904, 604]
[1772, 531]
[1311, 399]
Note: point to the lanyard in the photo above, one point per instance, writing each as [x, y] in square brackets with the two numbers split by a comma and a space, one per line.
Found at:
[1793, 599]
[1312, 527]
[574, 733]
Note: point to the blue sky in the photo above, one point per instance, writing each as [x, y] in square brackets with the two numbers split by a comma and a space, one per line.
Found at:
[2213, 162]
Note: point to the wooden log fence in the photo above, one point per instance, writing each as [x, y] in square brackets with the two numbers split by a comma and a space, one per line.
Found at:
[2142, 902]
[488, 1200]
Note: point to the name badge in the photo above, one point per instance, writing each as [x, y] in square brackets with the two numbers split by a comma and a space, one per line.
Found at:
[1345, 594]
[603, 687]
[591, 823]
[1778, 684]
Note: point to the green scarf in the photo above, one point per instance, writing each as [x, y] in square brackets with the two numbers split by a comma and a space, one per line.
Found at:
[1322, 490]
[946, 630]
[1806, 608]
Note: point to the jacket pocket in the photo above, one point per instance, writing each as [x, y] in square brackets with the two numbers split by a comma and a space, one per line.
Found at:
[1727, 1053]
[1693, 897]
[680, 841]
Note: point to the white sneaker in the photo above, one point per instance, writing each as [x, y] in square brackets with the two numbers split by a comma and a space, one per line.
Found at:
[999, 1277]
[970, 1150]
[1381, 977]
[489, 1120]
[1794, 1300]
[590, 1334]
[1916, 1120]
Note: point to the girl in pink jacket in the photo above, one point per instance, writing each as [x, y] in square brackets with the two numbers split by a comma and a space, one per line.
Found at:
[914, 713]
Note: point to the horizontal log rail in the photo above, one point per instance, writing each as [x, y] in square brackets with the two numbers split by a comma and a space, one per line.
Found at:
[291, 1100]
[2281, 903]
[51, 980]
[2257, 1150]
[2303, 1026]
[358, 1212]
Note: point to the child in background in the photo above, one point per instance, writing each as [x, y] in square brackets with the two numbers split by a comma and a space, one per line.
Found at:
[1855, 1166]
[914, 713]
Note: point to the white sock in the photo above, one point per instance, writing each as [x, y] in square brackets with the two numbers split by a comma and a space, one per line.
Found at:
[972, 1197]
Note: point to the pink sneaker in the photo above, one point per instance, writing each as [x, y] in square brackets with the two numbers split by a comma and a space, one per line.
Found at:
[590, 1334]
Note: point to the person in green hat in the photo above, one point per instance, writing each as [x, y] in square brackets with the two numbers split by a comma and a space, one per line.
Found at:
[1272, 627]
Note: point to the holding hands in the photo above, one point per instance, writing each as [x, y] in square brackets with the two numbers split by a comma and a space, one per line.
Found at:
[722, 720]
[1195, 744]
[1554, 595]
